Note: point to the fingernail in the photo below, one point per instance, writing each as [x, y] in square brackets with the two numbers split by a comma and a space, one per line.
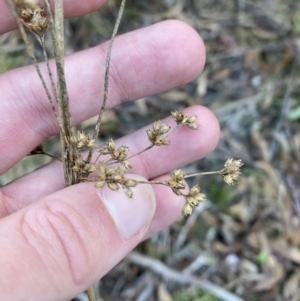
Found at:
[131, 215]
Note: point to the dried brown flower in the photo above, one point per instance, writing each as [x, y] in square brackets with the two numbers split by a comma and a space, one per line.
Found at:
[181, 119]
[130, 183]
[128, 192]
[119, 154]
[176, 182]
[193, 198]
[83, 141]
[35, 20]
[187, 209]
[156, 135]
[114, 178]
[231, 171]
[81, 166]
[126, 164]
[27, 3]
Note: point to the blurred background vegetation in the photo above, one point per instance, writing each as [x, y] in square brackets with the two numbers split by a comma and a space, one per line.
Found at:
[247, 239]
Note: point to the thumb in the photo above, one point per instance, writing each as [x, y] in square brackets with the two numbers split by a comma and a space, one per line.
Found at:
[61, 245]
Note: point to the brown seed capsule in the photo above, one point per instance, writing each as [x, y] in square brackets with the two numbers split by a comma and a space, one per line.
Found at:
[126, 164]
[113, 186]
[231, 171]
[100, 184]
[26, 13]
[187, 209]
[128, 192]
[130, 183]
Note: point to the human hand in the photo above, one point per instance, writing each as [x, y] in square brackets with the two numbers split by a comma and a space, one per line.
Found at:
[55, 241]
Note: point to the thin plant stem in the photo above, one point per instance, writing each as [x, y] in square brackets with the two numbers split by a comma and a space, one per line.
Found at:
[172, 131]
[203, 173]
[46, 154]
[59, 58]
[48, 68]
[57, 33]
[140, 152]
[91, 294]
[97, 158]
[153, 182]
[105, 96]
[110, 162]
[106, 78]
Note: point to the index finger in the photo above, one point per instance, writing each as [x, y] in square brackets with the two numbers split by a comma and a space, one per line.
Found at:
[72, 8]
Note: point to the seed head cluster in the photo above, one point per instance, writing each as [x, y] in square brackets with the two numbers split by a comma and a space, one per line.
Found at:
[117, 154]
[83, 141]
[176, 182]
[114, 178]
[82, 167]
[192, 199]
[112, 171]
[156, 136]
[181, 119]
[33, 17]
[231, 171]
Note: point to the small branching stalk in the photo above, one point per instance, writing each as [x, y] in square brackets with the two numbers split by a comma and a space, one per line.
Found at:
[110, 166]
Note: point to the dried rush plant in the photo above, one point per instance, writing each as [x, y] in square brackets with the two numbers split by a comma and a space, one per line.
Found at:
[110, 166]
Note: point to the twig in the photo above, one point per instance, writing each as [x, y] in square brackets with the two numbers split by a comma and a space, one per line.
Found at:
[106, 79]
[148, 289]
[293, 190]
[200, 261]
[161, 269]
